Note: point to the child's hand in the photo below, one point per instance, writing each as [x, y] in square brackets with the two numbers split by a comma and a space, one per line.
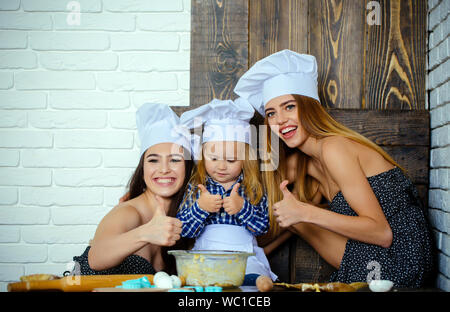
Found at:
[208, 202]
[233, 203]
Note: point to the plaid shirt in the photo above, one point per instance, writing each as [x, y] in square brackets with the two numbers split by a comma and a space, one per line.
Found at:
[255, 218]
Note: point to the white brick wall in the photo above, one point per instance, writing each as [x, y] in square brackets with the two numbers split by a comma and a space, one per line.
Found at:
[438, 86]
[68, 96]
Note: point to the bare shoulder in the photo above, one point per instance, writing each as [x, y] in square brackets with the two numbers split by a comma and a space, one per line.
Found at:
[337, 149]
[124, 216]
[336, 142]
[339, 158]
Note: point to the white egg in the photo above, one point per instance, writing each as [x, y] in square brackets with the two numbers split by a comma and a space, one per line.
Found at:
[380, 285]
[176, 281]
[158, 276]
[164, 282]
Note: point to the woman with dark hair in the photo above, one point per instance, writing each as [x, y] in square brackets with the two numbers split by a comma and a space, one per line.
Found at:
[133, 237]
[375, 218]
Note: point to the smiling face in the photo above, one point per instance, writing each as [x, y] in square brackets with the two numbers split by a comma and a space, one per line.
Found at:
[282, 117]
[223, 160]
[164, 169]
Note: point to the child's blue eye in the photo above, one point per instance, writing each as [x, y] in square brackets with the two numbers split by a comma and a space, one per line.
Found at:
[175, 160]
[270, 114]
[153, 160]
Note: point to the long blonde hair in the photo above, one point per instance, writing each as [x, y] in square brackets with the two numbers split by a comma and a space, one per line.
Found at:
[319, 124]
[251, 182]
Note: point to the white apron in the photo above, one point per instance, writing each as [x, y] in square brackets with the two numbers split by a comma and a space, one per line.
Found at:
[236, 238]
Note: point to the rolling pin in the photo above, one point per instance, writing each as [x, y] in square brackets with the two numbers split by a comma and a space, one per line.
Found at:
[264, 283]
[76, 283]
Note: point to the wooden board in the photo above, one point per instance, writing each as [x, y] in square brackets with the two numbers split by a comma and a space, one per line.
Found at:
[114, 289]
[360, 65]
[219, 41]
[275, 25]
[414, 159]
[396, 55]
[280, 259]
[306, 264]
[387, 127]
[336, 39]
[76, 283]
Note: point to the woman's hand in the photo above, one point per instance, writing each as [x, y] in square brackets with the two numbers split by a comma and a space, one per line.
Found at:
[289, 211]
[208, 202]
[161, 230]
[233, 204]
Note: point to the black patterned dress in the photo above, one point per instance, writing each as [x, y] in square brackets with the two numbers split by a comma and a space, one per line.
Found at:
[132, 264]
[408, 262]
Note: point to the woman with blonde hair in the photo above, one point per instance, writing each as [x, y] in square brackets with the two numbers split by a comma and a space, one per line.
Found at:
[375, 216]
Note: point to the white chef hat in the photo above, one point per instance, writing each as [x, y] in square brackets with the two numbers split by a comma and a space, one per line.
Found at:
[224, 120]
[158, 123]
[284, 72]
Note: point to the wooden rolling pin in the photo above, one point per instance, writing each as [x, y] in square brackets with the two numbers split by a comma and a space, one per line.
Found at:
[77, 283]
[264, 283]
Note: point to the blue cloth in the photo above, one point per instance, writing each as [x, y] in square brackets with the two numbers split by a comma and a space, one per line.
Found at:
[250, 279]
[255, 218]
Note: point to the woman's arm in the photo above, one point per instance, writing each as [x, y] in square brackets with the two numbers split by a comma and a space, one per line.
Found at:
[370, 224]
[121, 234]
[285, 235]
[117, 236]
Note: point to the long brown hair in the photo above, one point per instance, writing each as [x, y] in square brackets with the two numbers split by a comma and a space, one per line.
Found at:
[137, 186]
[319, 124]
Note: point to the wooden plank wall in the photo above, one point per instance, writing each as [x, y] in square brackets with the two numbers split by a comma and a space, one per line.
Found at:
[365, 71]
[395, 57]
[360, 65]
[220, 40]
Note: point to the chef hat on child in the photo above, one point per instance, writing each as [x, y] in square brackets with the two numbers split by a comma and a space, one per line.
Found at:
[158, 123]
[284, 72]
[224, 120]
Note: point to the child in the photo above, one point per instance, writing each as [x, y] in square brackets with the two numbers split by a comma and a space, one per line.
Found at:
[224, 206]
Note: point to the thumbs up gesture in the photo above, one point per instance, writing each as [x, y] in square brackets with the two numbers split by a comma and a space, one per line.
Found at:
[207, 201]
[289, 210]
[161, 230]
[159, 208]
[233, 204]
